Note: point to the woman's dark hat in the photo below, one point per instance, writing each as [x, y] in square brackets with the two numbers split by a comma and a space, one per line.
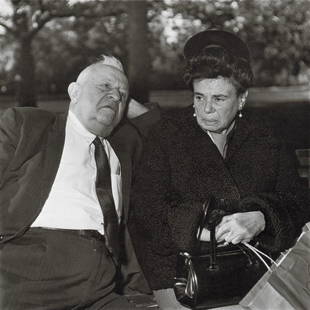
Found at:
[195, 44]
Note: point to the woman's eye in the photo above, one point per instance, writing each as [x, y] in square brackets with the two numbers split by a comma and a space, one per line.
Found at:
[198, 98]
[219, 101]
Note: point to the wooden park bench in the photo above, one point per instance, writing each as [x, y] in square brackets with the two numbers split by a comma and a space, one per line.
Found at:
[303, 156]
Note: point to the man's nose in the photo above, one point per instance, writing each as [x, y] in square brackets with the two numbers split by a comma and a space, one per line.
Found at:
[115, 94]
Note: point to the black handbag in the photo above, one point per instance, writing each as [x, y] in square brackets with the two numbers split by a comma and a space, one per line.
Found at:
[217, 275]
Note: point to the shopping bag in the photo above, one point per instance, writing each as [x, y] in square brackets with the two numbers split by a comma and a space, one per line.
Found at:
[287, 284]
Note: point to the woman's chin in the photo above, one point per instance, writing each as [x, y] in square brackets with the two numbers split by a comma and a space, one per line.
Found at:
[212, 127]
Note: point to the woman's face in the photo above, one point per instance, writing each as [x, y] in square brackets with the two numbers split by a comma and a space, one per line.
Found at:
[216, 103]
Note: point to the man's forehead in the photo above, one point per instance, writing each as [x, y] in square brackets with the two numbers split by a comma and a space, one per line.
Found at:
[102, 72]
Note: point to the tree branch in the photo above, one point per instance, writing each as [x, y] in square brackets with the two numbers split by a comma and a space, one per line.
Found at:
[40, 25]
[75, 11]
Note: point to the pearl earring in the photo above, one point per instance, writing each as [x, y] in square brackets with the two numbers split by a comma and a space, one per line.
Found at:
[194, 114]
[240, 114]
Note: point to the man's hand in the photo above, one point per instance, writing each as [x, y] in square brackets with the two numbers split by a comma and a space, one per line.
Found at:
[240, 227]
[135, 109]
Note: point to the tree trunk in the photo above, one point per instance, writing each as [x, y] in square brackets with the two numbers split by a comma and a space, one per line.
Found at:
[139, 59]
[25, 79]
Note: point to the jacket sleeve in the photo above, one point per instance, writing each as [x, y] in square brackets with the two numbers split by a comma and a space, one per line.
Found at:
[8, 140]
[144, 122]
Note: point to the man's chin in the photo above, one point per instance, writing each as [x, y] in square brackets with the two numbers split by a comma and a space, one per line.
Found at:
[106, 116]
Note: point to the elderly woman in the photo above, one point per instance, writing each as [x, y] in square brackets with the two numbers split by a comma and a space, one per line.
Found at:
[214, 149]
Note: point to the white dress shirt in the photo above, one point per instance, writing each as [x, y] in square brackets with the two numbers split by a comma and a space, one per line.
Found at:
[72, 202]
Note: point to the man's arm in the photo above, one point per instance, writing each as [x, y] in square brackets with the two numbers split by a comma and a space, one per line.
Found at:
[142, 117]
[135, 109]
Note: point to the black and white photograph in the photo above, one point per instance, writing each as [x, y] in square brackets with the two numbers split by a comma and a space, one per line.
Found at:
[154, 154]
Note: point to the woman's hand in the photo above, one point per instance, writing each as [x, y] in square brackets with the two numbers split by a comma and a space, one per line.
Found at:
[240, 227]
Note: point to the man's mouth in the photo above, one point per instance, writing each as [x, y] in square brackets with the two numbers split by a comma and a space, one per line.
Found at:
[107, 107]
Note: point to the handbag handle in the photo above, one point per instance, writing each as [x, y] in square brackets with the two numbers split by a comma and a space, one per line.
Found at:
[206, 207]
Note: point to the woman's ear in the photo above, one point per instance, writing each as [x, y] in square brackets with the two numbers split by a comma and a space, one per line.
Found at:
[242, 100]
[74, 91]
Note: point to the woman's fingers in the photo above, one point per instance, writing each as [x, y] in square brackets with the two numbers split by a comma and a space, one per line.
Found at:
[240, 227]
[221, 231]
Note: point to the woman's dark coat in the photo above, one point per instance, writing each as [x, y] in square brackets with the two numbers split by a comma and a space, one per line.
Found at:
[181, 168]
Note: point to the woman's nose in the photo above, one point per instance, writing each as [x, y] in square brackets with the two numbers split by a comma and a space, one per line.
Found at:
[208, 106]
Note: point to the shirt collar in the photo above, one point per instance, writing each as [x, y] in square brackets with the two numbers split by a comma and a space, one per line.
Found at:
[227, 134]
[74, 123]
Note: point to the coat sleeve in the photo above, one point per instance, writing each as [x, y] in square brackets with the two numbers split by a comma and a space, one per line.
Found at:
[151, 185]
[286, 207]
[9, 137]
[158, 215]
[147, 212]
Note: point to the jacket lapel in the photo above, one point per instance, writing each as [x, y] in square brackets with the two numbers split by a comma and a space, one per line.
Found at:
[211, 176]
[52, 155]
[238, 136]
[119, 145]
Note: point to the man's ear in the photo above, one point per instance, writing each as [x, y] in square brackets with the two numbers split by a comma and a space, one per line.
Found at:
[74, 91]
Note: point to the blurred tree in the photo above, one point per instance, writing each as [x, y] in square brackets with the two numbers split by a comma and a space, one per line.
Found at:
[138, 49]
[277, 31]
[278, 34]
[73, 44]
[24, 22]
[149, 36]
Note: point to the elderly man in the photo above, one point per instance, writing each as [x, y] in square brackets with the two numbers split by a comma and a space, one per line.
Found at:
[64, 192]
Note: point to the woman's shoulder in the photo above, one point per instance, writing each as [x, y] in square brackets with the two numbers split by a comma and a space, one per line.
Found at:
[260, 124]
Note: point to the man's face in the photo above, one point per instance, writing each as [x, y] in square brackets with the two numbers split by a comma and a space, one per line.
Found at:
[100, 102]
[216, 103]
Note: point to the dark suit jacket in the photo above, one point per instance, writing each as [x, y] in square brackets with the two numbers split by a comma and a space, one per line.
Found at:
[181, 168]
[31, 143]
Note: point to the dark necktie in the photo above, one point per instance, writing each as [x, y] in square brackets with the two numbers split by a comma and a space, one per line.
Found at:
[104, 193]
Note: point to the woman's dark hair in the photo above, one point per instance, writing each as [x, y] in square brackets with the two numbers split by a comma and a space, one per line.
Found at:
[216, 61]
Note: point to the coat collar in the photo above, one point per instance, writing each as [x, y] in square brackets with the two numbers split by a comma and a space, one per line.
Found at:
[238, 136]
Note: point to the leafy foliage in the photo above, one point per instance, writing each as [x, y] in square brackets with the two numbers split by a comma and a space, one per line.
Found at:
[277, 32]
[65, 35]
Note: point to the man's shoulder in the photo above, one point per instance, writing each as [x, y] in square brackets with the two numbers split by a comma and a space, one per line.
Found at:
[27, 115]
[30, 112]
